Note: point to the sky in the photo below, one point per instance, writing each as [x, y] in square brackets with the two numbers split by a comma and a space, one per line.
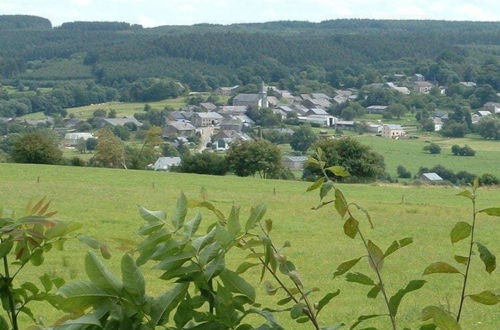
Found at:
[151, 13]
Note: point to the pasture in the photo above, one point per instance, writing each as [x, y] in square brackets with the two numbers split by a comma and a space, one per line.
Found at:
[105, 202]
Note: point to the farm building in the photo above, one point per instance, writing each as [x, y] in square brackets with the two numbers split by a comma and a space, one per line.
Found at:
[164, 163]
[71, 139]
[431, 177]
[392, 131]
[295, 163]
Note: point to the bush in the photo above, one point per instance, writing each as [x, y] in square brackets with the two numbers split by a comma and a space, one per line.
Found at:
[77, 161]
[91, 144]
[454, 129]
[403, 173]
[488, 180]
[462, 151]
[433, 148]
[205, 163]
[36, 148]
[489, 128]
[303, 138]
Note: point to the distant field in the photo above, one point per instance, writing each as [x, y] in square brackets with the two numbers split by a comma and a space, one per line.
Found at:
[409, 153]
[105, 202]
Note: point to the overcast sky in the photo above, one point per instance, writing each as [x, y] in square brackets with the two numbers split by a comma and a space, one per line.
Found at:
[165, 12]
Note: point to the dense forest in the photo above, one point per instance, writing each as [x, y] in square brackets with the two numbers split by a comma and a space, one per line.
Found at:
[299, 56]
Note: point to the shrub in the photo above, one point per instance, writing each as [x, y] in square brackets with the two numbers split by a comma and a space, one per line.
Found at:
[454, 129]
[36, 148]
[488, 180]
[77, 161]
[489, 128]
[433, 148]
[302, 138]
[462, 151]
[403, 172]
[204, 163]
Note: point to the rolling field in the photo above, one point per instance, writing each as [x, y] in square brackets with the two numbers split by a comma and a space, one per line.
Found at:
[105, 202]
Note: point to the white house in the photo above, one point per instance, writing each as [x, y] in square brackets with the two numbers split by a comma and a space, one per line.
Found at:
[431, 177]
[71, 139]
[164, 163]
[392, 131]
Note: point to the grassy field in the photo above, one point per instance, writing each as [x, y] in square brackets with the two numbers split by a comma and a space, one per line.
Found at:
[105, 202]
[409, 153]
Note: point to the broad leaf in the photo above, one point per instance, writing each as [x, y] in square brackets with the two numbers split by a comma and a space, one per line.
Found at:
[256, 214]
[351, 227]
[359, 278]
[233, 222]
[373, 293]
[461, 231]
[85, 320]
[489, 260]
[243, 267]
[191, 227]
[493, 211]
[396, 245]
[340, 203]
[485, 298]
[325, 189]
[237, 284]
[338, 171]
[180, 212]
[345, 267]
[3, 323]
[396, 299]
[376, 256]
[325, 300]
[441, 268]
[99, 275]
[461, 260]
[5, 248]
[133, 280]
[297, 310]
[166, 303]
[466, 193]
[152, 216]
[80, 295]
[441, 318]
[316, 184]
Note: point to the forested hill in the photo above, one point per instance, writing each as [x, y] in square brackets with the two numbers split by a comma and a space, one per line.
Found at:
[346, 53]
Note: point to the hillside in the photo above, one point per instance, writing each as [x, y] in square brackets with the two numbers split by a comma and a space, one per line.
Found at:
[105, 202]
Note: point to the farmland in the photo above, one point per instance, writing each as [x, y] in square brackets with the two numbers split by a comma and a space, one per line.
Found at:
[105, 202]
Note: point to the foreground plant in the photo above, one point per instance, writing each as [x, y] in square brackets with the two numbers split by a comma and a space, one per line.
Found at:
[375, 256]
[462, 230]
[23, 241]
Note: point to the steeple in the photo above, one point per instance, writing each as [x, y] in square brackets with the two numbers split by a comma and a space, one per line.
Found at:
[263, 96]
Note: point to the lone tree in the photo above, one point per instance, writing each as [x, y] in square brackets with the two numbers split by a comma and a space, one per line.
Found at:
[303, 138]
[362, 163]
[36, 148]
[489, 128]
[109, 151]
[251, 157]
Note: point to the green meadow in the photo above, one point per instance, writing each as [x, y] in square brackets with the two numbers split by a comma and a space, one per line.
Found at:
[105, 202]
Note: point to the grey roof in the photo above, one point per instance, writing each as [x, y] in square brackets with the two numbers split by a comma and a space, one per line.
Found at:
[208, 115]
[244, 119]
[296, 159]
[318, 112]
[393, 126]
[122, 121]
[432, 176]
[182, 126]
[423, 84]
[247, 98]
[340, 99]
[285, 108]
[320, 96]
[321, 102]
[208, 105]
[164, 163]
[230, 109]
[377, 107]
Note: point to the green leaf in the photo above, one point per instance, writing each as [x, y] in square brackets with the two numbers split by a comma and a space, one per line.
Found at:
[233, 222]
[162, 306]
[284, 301]
[89, 241]
[338, 171]
[269, 225]
[3, 323]
[256, 214]
[489, 260]
[79, 295]
[152, 216]
[359, 278]
[485, 298]
[316, 184]
[325, 300]
[203, 241]
[175, 260]
[214, 267]
[373, 293]
[180, 212]
[89, 319]
[133, 280]
[325, 189]
[493, 211]
[5, 248]
[236, 283]
[441, 318]
[461, 231]
[376, 256]
[351, 227]
[466, 193]
[363, 318]
[99, 275]
[396, 245]
[461, 260]
[297, 310]
[396, 299]
[340, 203]
[345, 267]
[191, 227]
[441, 268]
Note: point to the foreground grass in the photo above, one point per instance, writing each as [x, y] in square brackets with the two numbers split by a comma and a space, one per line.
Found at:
[105, 202]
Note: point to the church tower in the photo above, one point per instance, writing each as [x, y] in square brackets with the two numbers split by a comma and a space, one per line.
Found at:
[263, 96]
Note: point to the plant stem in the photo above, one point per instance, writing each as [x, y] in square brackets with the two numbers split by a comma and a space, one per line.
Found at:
[379, 276]
[9, 294]
[466, 276]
